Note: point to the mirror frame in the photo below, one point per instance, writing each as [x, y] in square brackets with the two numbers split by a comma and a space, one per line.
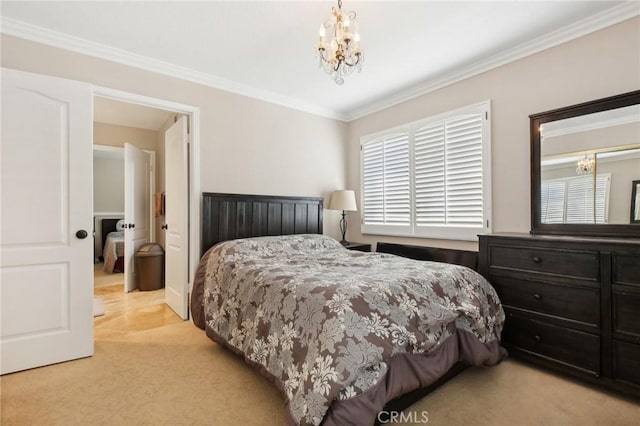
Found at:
[537, 120]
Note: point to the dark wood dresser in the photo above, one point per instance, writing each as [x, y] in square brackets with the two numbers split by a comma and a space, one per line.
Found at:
[572, 303]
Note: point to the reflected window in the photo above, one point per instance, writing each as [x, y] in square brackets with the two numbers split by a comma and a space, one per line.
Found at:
[572, 200]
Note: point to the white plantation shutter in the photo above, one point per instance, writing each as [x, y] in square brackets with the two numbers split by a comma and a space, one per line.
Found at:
[429, 154]
[386, 181]
[448, 172]
[579, 207]
[373, 183]
[581, 200]
[464, 170]
[552, 201]
[603, 184]
[431, 180]
[571, 200]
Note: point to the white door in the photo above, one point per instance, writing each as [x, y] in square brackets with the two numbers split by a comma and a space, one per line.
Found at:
[176, 218]
[46, 248]
[137, 201]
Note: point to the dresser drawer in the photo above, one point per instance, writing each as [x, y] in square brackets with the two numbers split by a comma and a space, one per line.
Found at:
[626, 362]
[575, 303]
[581, 264]
[626, 269]
[626, 313]
[568, 346]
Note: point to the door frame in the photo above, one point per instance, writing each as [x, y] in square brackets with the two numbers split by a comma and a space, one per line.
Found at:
[193, 112]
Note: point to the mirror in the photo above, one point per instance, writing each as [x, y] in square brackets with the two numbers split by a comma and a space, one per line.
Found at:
[584, 161]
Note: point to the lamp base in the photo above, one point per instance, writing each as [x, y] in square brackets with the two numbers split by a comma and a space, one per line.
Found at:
[343, 228]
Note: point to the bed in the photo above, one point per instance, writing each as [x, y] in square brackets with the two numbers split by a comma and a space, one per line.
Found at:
[113, 248]
[341, 333]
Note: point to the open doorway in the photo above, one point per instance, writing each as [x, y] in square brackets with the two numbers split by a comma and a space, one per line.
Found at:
[118, 125]
[112, 192]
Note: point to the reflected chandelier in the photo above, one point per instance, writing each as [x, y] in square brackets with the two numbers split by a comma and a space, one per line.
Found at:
[585, 165]
[340, 54]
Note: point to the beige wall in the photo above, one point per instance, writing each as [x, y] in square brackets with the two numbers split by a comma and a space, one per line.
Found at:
[108, 185]
[114, 135]
[247, 145]
[250, 146]
[600, 64]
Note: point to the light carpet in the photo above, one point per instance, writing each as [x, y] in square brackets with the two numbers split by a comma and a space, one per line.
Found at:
[175, 375]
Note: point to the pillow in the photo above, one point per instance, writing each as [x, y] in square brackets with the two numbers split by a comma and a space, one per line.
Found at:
[120, 225]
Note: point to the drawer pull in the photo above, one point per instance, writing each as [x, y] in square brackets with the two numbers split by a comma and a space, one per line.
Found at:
[537, 338]
[537, 296]
[537, 259]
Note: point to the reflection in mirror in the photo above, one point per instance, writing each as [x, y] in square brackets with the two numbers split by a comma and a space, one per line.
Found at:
[587, 164]
[635, 202]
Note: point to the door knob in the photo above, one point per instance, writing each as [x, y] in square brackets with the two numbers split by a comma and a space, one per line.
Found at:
[82, 234]
[165, 226]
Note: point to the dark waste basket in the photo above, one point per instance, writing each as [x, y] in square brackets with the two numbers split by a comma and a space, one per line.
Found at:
[150, 267]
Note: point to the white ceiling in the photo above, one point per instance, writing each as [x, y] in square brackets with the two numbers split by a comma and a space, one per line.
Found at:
[265, 49]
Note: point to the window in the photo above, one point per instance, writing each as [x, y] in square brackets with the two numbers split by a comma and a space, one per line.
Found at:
[571, 200]
[429, 178]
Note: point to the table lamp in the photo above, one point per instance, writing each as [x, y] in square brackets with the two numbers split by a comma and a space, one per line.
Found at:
[344, 200]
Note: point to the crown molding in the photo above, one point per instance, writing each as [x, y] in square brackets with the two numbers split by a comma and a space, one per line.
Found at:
[594, 23]
[16, 28]
[581, 28]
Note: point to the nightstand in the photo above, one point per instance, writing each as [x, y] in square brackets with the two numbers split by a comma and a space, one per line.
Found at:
[358, 247]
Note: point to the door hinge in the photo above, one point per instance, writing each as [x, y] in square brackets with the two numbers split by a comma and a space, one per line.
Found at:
[486, 115]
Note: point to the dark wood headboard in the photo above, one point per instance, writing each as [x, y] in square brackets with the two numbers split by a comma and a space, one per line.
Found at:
[230, 216]
[108, 225]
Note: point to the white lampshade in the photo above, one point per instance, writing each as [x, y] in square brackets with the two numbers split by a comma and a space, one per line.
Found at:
[343, 200]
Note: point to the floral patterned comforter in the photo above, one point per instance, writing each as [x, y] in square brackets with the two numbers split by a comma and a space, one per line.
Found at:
[322, 320]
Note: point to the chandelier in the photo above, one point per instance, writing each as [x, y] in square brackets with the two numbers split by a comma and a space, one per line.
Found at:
[340, 54]
[585, 165]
